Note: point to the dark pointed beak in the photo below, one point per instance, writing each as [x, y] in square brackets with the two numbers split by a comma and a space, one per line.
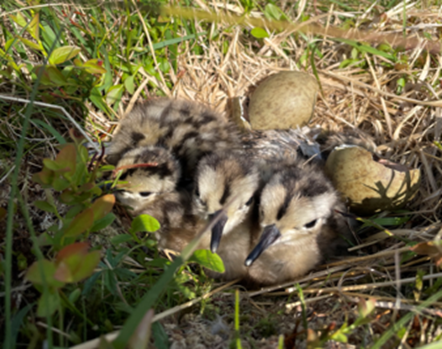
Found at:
[217, 230]
[269, 236]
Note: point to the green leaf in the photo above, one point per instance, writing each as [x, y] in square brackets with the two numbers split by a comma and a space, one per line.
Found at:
[81, 223]
[67, 158]
[60, 184]
[259, 33]
[19, 19]
[34, 27]
[45, 206]
[122, 238]
[48, 303]
[273, 12]
[114, 94]
[30, 44]
[87, 266]
[55, 166]
[102, 206]
[63, 54]
[129, 84]
[103, 222]
[208, 260]
[94, 66]
[34, 274]
[44, 177]
[55, 76]
[144, 223]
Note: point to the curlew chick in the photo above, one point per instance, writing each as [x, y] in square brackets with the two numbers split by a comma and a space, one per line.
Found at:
[188, 130]
[225, 178]
[298, 224]
[148, 171]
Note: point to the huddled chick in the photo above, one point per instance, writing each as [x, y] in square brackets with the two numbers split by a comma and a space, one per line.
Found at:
[188, 130]
[183, 164]
[225, 184]
[299, 224]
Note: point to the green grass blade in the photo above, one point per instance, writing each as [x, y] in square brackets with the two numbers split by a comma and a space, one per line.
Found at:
[403, 321]
[51, 129]
[367, 49]
[147, 302]
[176, 40]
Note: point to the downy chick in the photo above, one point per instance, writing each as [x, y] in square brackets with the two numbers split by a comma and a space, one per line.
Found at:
[152, 189]
[178, 226]
[225, 178]
[226, 182]
[299, 226]
[149, 171]
[188, 130]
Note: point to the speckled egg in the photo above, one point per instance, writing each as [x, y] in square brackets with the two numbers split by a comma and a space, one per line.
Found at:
[370, 185]
[284, 100]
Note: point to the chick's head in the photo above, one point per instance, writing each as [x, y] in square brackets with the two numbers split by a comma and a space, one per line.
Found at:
[297, 202]
[147, 172]
[225, 184]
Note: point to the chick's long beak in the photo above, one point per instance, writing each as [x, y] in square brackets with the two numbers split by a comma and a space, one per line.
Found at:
[270, 234]
[217, 230]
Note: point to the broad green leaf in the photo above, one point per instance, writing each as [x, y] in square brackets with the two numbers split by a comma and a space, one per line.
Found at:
[103, 222]
[48, 304]
[63, 273]
[55, 76]
[114, 94]
[67, 158]
[119, 239]
[259, 33]
[44, 206]
[63, 54]
[129, 84]
[34, 28]
[102, 206]
[55, 166]
[60, 184]
[30, 44]
[77, 267]
[144, 223]
[94, 66]
[19, 19]
[34, 273]
[274, 12]
[44, 177]
[208, 260]
[81, 223]
[87, 267]
[80, 248]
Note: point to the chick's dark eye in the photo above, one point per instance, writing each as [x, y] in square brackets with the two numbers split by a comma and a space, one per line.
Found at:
[197, 192]
[249, 202]
[145, 194]
[310, 224]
